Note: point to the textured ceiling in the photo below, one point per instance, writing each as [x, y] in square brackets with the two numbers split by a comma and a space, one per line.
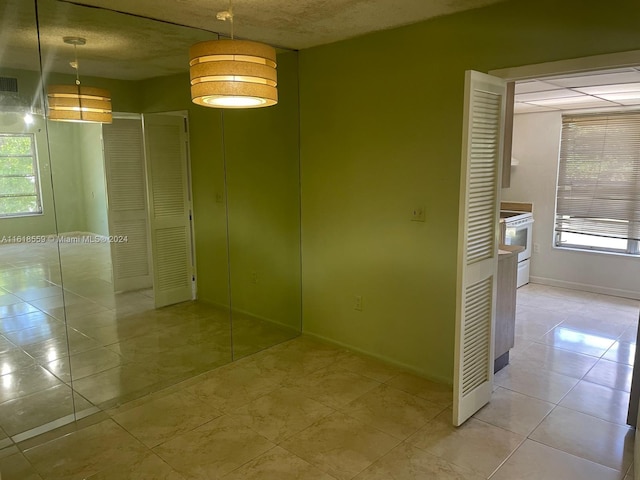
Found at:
[134, 47]
[293, 24]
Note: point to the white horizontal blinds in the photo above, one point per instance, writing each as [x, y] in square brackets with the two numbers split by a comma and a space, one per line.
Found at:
[485, 142]
[599, 176]
[127, 212]
[477, 341]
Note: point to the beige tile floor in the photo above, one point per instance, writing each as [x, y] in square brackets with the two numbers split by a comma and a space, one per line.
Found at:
[70, 346]
[307, 410]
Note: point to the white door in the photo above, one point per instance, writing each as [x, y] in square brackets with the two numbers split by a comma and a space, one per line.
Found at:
[169, 207]
[127, 204]
[481, 172]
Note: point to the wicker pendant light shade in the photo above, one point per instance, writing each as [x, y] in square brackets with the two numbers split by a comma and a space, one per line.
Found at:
[77, 103]
[233, 74]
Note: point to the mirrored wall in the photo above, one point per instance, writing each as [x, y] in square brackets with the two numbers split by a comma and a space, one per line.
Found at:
[142, 252]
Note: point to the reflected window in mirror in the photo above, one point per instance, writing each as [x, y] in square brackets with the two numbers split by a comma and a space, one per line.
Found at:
[19, 183]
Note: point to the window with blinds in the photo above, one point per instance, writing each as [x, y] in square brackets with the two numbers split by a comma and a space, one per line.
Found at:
[598, 195]
[19, 189]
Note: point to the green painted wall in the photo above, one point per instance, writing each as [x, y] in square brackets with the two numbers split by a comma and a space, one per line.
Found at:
[263, 182]
[381, 127]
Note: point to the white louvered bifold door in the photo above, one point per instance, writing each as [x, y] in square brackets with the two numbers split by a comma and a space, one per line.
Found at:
[169, 208]
[127, 200]
[478, 243]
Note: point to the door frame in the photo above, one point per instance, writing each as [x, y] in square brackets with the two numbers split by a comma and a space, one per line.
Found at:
[588, 64]
[569, 66]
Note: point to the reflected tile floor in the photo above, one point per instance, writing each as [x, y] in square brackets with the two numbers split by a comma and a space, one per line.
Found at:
[77, 335]
[307, 410]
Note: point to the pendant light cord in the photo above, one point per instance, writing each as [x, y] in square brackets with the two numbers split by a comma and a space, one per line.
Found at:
[77, 65]
[231, 17]
[227, 15]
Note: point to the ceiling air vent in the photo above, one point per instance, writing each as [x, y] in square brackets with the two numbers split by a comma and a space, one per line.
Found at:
[8, 84]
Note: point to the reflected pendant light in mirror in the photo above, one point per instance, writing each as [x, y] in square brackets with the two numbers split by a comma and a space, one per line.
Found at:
[233, 73]
[77, 103]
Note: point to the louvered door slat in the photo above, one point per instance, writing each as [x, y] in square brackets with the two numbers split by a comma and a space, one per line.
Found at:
[129, 261]
[476, 351]
[483, 169]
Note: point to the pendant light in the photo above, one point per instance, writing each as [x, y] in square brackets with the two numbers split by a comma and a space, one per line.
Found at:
[233, 73]
[77, 103]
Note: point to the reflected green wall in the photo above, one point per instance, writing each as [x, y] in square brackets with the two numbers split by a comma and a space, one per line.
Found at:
[93, 179]
[381, 127]
[68, 184]
[78, 177]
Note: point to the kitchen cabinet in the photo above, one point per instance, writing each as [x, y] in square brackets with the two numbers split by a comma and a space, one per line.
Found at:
[505, 304]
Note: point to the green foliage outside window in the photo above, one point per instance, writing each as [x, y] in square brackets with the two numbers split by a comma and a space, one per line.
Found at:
[19, 192]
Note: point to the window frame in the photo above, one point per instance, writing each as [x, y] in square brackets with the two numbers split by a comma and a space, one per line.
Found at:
[36, 176]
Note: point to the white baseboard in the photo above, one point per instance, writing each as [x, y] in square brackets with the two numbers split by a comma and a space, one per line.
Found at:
[585, 287]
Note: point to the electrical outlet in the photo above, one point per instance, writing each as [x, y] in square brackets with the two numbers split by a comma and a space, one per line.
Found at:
[254, 277]
[219, 198]
[417, 214]
[358, 303]
[536, 248]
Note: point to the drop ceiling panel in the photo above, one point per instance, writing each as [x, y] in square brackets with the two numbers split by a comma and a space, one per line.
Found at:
[611, 89]
[547, 94]
[629, 102]
[596, 79]
[533, 86]
[608, 89]
[574, 102]
[529, 108]
[616, 97]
